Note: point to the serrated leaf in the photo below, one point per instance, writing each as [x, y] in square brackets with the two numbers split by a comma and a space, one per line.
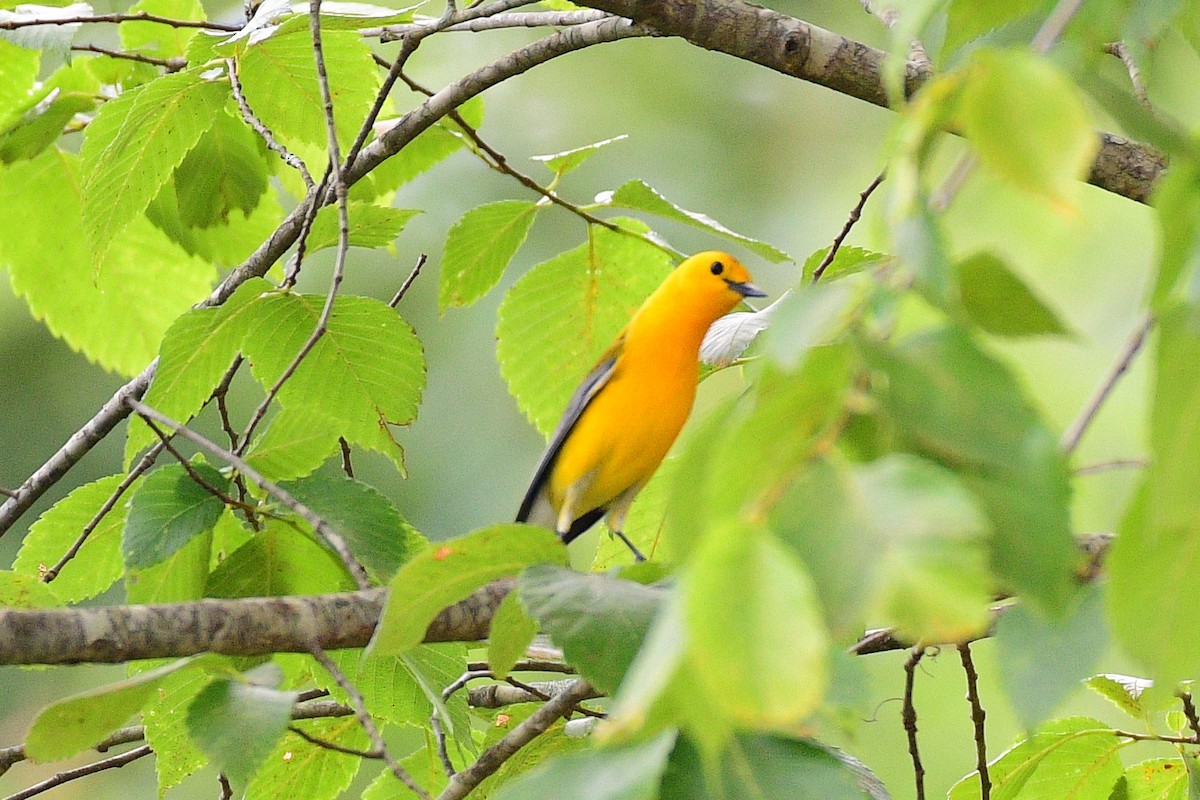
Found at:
[479, 247]
[368, 365]
[998, 301]
[629, 772]
[566, 161]
[386, 683]
[168, 510]
[375, 531]
[278, 560]
[98, 564]
[297, 768]
[156, 39]
[182, 577]
[450, 570]
[1028, 123]
[18, 590]
[1155, 779]
[39, 121]
[238, 723]
[115, 316]
[637, 196]
[165, 721]
[599, 621]
[1122, 690]
[132, 148]
[225, 172]
[846, 261]
[434, 667]
[18, 71]
[423, 765]
[511, 632]
[293, 445]
[561, 315]
[370, 226]
[76, 723]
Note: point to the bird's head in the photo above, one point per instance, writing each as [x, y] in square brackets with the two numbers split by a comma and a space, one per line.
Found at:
[715, 282]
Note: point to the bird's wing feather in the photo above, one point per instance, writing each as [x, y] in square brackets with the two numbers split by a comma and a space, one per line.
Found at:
[588, 389]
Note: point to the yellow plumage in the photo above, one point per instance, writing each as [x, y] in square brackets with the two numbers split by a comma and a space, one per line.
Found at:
[627, 413]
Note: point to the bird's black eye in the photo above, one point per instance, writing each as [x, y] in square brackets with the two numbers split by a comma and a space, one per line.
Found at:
[717, 268]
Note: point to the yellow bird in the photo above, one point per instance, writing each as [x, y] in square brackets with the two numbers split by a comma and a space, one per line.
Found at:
[629, 409]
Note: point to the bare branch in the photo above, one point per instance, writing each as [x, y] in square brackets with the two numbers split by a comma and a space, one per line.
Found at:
[978, 716]
[259, 127]
[1121, 51]
[498, 695]
[141, 16]
[408, 282]
[851, 221]
[170, 64]
[909, 716]
[1189, 711]
[66, 776]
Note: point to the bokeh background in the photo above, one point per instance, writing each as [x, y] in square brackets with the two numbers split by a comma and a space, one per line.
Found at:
[765, 154]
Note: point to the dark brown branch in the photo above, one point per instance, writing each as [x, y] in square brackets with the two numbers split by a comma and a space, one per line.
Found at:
[141, 16]
[335, 747]
[169, 64]
[978, 717]
[851, 221]
[1189, 711]
[408, 282]
[909, 716]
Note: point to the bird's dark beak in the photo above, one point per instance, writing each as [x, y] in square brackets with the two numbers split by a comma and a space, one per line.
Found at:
[746, 289]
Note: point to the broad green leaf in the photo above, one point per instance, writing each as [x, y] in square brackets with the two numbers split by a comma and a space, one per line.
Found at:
[238, 723]
[479, 247]
[511, 632]
[434, 667]
[599, 621]
[370, 226]
[628, 772]
[115, 316]
[365, 373]
[1177, 200]
[387, 684]
[1028, 123]
[566, 161]
[958, 406]
[279, 77]
[1041, 662]
[297, 768]
[759, 766]
[1155, 779]
[967, 20]
[226, 243]
[638, 196]
[564, 313]
[195, 353]
[424, 766]
[450, 570]
[753, 621]
[998, 301]
[154, 39]
[1124, 691]
[375, 531]
[180, 578]
[1071, 757]
[132, 148]
[226, 172]
[76, 723]
[18, 71]
[70, 90]
[98, 564]
[293, 445]
[279, 560]
[165, 720]
[19, 590]
[546, 750]
[809, 317]
[168, 510]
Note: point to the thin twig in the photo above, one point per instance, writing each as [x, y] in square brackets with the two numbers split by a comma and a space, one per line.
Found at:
[323, 529]
[141, 16]
[1054, 25]
[226, 789]
[978, 716]
[347, 464]
[1075, 431]
[170, 64]
[335, 747]
[435, 720]
[196, 477]
[408, 282]
[69, 775]
[851, 221]
[1113, 464]
[1121, 51]
[260, 127]
[1189, 711]
[909, 717]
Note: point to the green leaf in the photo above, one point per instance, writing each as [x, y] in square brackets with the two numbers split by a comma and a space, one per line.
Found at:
[638, 196]
[155, 39]
[365, 373]
[1041, 662]
[566, 161]
[564, 313]
[227, 242]
[297, 768]
[1028, 123]
[18, 72]
[238, 723]
[1155, 779]
[434, 667]
[165, 720]
[388, 685]
[195, 353]
[39, 123]
[375, 531]
[1123, 691]
[753, 621]
[969, 19]
[847, 261]
[1072, 757]
[629, 772]
[18, 590]
[279, 77]
[279, 561]
[810, 316]
[76, 723]
[424, 766]
[998, 301]
[98, 564]
[512, 631]
[226, 171]
[598, 620]
[479, 247]
[449, 571]
[132, 148]
[1177, 200]
[547, 749]
[180, 578]
[115, 316]
[168, 510]
[370, 226]
[293, 445]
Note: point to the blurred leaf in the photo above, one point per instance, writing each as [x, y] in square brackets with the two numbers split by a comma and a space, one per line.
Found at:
[53, 39]
[512, 631]
[450, 570]
[18, 71]
[155, 39]
[629, 772]
[599, 621]
[1177, 201]
[279, 560]
[657, 674]
[967, 20]
[1041, 662]
[114, 316]
[1124, 691]
[434, 667]
[134, 145]
[76, 723]
[998, 300]
[294, 444]
[1028, 123]
[1155, 779]
[566, 161]
[98, 564]
[811, 316]
[225, 172]
[370, 226]
[167, 510]
[753, 621]
[564, 313]
[365, 373]
[38, 120]
[920, 240]
[238, 723]
[299, 769]
[479, 247]
[638, 196]
[1071, 757]
[165, 721]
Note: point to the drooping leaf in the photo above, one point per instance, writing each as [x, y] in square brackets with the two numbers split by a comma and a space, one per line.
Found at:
[511, 632]
[237, 723]
[18, 71]
[225, 173]
[479, 247]
[32, 128]
[168, 510]
[998, 301]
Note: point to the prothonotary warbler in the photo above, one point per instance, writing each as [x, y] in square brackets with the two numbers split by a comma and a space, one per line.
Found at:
[630, 408]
